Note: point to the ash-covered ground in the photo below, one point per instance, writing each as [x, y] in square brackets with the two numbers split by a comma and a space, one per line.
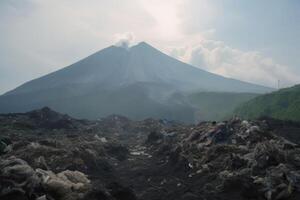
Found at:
[47, 155]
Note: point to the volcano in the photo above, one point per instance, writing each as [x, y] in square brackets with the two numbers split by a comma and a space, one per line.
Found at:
[137, 82]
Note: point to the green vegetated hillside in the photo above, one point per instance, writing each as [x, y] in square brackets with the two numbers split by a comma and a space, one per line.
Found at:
[282, 104]
[217, 105]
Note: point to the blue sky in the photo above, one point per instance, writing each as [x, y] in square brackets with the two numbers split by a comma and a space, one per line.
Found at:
[269, 26]
[256, 41]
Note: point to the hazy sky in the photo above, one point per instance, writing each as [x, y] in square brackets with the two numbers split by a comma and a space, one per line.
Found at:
[256, 41]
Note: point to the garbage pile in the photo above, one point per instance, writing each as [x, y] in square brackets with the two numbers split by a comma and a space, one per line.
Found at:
[232, 160]
[45, 155]
[68, 162]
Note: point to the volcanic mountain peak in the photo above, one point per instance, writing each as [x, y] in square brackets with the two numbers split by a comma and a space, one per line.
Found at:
[116, 80]
[142, 45]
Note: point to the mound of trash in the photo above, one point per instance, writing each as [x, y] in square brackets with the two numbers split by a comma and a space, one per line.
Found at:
[231, 160]
[45, 155]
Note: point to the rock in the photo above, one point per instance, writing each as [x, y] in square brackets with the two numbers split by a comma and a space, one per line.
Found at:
[2, 147]
[6, 140]
[18, 179]
[5, 145]
[267, 154]
[118, 151]
[120, 192]
[42, 198]
[236, 162]
[97, 193]
[40, 162]
[254, 129]
[102, 139]
[66, 185]
[154, 137]
[245, 124]
[49, 119]
[194, 136]
[284, 193]
[189, 196]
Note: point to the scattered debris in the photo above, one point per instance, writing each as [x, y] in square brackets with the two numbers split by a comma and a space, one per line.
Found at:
[45, 155]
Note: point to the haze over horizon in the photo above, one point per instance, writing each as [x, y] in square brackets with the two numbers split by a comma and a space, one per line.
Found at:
[237, 39]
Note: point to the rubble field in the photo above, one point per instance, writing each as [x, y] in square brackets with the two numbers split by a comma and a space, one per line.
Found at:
[45, 155]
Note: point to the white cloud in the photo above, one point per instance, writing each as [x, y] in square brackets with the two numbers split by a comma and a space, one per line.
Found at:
[198, 16]
[251, 66]
[124, 40]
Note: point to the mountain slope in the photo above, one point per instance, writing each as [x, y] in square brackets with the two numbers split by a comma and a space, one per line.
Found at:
[217, 105]
[102, 83]
[282, 104]
[115, 66]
